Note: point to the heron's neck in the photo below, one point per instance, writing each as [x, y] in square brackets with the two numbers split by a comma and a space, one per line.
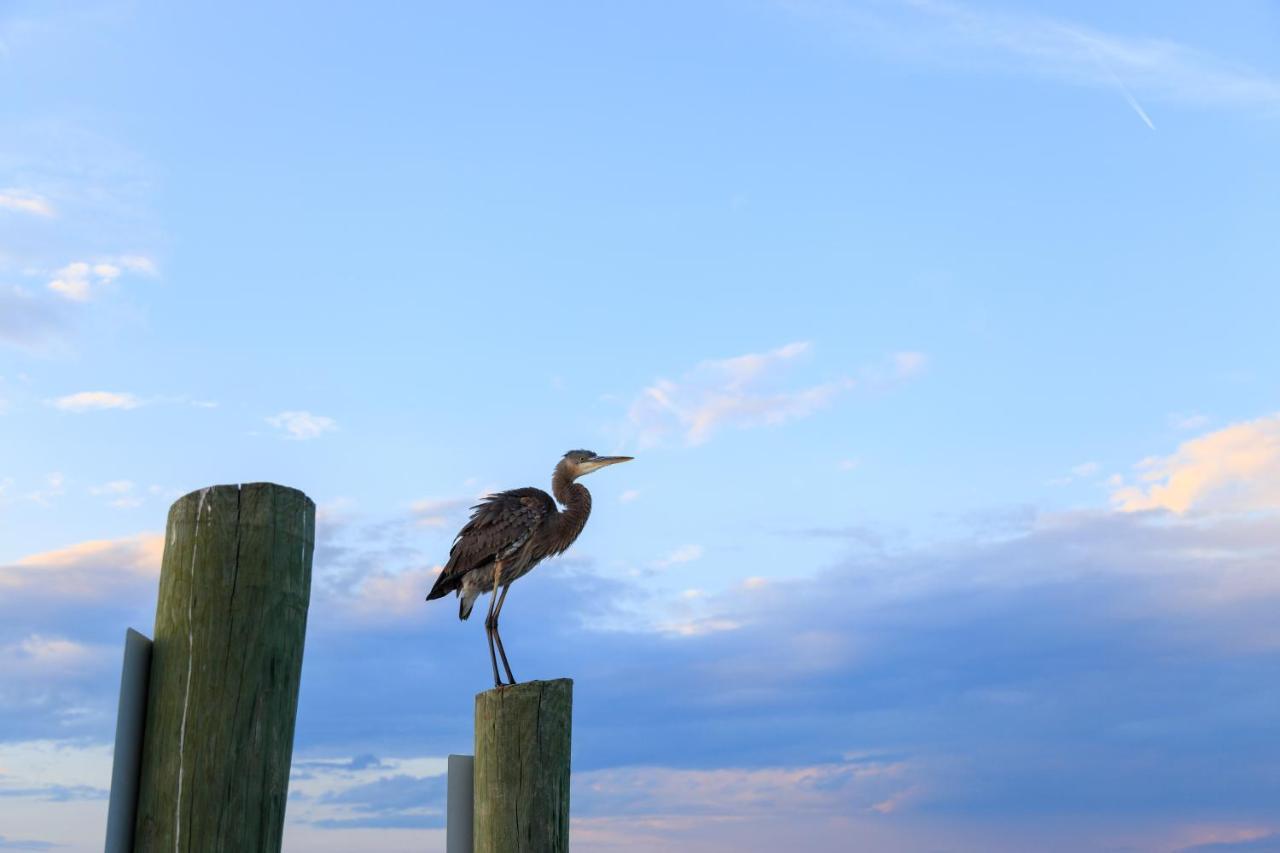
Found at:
[577, 508]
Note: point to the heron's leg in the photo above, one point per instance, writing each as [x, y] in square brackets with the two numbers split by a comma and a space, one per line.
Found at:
[493, 660]
[491, 623]
[498, 611]
[497, 636]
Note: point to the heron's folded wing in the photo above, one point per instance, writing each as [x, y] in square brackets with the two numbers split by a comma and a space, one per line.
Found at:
[500, 525]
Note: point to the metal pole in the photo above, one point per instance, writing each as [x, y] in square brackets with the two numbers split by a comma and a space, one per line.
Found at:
[461, 804]
[131, 716]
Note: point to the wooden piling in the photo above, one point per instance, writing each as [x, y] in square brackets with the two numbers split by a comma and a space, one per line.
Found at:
[522, 768]
[235, 584]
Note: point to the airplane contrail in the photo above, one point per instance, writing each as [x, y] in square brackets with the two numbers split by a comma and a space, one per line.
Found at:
[1133, 102]
[1124, 90]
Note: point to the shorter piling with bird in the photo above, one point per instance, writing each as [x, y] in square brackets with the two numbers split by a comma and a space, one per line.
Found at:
[521, 770]
[521, 775]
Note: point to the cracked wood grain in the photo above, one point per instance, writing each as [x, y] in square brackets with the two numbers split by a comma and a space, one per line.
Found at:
[523, 735]
[235, 584]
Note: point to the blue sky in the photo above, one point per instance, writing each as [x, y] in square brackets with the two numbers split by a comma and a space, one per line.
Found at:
[944, 334]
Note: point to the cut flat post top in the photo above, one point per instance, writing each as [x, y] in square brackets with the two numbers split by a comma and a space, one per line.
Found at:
[225, 668]
[522, 767]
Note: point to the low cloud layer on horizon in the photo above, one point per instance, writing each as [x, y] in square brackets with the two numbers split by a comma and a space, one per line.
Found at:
[1093, 665]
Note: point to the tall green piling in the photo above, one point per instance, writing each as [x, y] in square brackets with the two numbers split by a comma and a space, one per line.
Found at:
[235, 584]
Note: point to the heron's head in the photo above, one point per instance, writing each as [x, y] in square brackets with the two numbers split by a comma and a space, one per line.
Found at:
[576, 463]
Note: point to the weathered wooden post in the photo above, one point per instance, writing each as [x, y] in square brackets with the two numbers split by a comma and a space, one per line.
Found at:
[235, 584]
[522, 768]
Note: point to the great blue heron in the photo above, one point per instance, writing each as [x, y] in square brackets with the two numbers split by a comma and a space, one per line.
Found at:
[511, 532]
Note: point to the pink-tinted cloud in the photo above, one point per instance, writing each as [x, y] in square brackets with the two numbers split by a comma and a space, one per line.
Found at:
[86, 570]
[1234, 469]
[743, 392]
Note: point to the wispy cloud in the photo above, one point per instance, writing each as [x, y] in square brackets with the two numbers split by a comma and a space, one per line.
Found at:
[1188, 420]
[80, 280]
[940, 32]
[734, 792]
[47, 764]
[436, 512]
[1083, 471]
[742, 392]
[92, 569]
[683, 554]
[121, 494]
[302, 425]
[25, 201]
[51, 789]
[1236, 468]
[697, 626]
[368, 791]
[1238, 841]
[52, 488]
[384, 594]
[90, 401]
[906, 364]
[47, 655]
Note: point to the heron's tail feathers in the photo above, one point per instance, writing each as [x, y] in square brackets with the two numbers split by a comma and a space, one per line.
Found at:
[446, 582]
[468, 600]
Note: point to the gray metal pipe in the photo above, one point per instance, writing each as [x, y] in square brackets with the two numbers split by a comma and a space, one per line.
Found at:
[131, 718]
[461, 804]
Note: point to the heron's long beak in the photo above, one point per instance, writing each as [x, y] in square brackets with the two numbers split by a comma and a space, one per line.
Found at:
[603, 461]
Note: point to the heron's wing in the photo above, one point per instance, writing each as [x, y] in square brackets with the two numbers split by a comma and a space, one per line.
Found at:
[500, 526]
